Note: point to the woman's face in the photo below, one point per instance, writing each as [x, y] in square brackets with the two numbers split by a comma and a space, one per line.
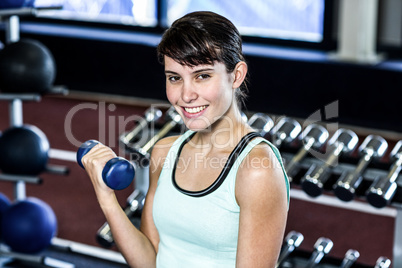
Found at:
[201, 94]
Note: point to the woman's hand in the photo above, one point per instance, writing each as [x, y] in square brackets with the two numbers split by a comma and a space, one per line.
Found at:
[94, 161]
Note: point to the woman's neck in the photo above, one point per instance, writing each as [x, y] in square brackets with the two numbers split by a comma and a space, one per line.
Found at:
[224, 133]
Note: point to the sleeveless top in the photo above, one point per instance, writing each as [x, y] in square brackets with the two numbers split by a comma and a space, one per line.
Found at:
[200, 228]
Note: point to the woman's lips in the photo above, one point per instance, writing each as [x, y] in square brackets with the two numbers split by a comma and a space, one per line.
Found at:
[191, 112]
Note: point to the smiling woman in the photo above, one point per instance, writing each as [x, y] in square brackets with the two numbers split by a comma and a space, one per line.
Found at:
[204, 93]
[205, 215]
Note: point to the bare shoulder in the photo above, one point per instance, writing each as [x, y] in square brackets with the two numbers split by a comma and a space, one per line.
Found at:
[261, 173]
[163, 145]
[160, 151]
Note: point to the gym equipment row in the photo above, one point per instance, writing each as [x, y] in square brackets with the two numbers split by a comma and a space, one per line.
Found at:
[290, 258]
[28, 225]
[315, 161]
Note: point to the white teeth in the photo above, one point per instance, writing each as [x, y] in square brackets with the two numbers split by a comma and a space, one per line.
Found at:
[195, 109]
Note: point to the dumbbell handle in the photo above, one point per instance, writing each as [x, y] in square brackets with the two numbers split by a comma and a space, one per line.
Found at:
[350, 258]
[320, 170]
[322, 247]
[132, 134]
[393, 173]
[383, 262]
[290, 167]
[361, 166]
[162, 132]
[350, 180]
[315, 258]
[293, 240]
[142, 124]
[134, 203]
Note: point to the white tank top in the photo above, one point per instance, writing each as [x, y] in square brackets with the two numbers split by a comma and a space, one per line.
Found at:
[200, 229]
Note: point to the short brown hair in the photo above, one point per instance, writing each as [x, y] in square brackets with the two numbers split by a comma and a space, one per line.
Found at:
[202, 38]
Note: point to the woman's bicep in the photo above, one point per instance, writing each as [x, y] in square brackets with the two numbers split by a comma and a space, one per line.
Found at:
[262, 197]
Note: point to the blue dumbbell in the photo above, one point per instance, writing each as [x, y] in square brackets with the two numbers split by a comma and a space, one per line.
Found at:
[118, 173]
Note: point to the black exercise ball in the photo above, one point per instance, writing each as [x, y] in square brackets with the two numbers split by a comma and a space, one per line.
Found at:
[26, 66]
[29, 225]
[23, 150]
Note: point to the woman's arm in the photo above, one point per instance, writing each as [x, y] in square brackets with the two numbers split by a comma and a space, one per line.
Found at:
[261, 195]
[158, 156]
[138, 248]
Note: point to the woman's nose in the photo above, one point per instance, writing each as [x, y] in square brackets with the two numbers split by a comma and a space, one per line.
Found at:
[188, 93]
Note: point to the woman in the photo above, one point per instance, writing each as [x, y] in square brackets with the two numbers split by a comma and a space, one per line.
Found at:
[218, 194]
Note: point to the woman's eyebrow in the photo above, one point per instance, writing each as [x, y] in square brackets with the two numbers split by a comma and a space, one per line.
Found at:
[203, 70]
[170, 72]
[194, 72]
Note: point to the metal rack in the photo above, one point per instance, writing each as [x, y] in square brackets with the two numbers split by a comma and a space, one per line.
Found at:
[369, 176]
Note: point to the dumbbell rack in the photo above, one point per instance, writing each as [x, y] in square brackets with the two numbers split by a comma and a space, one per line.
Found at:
[16, 120]
[10, 17]
[12, 30]
[373, 171]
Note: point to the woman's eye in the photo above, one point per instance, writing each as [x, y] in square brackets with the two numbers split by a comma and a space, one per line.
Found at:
[173, 78]
[204, 76]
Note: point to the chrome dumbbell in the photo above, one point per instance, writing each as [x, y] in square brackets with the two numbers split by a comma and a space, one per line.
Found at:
[321, 248]
[285, 131]
[383, 262]
[261, 122]
[373, 147]
[142, 155]
[135, 203]
[350, 258]
[343, 141]
[128, 139]
[314, 136]
[383, 189]
[292, 241]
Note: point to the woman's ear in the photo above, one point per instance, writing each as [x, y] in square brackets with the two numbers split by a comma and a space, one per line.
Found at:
[240, 73]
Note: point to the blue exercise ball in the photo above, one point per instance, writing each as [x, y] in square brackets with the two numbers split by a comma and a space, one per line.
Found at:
[24, 150]
[26, 66]
[5, 203]
[4, 4]
[29, 226]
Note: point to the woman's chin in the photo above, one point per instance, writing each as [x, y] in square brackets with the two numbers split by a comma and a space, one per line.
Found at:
[198, 127]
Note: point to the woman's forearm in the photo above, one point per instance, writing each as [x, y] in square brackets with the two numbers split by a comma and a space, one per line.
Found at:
[132, 243]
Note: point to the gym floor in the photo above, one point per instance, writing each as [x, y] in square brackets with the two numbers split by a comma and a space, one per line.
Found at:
[72, 198]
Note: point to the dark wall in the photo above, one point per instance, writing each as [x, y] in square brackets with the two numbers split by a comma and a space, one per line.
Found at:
[367, 95]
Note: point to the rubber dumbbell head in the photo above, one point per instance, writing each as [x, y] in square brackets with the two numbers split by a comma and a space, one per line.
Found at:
[118, 173]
